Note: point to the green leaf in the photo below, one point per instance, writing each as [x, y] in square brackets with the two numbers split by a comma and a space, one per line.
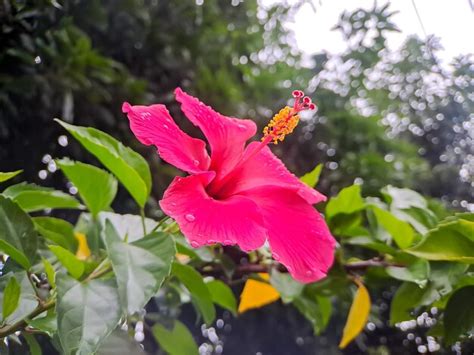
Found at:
[28, 299]
[17, 235]
[11, 297]
[56, 230]
[96, 187]
[176, 341]
[400, 231]
[120, 342]
[287, 287]
[73, 265]
[404, 198]
[198, 290]
[451, 241]
[33, 345]
[87, 313]
[222, 295]
[128, 166]
[459, 314]
[408, 296]
[47, 323]
[128, 226]
[348, 201]
[316, 309]
[50, 273]
[31, 197]
[9, 175]
[140, 267]
[418, 272]
[311, 179]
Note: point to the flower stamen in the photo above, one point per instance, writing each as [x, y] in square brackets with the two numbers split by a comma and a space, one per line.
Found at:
[285, 121]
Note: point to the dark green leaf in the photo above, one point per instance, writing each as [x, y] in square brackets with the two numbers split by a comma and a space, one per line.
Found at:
[33, 345]
[409, 296]
[28, 300]
[222, 295]
[87, 313]
[176, 341]
[17, 235]
[9, 175]
[198, 290]
[57, 230]
[73, 265]
[50, 273]
[140, 267]
[316, 309]
[128, 166]
[32, 197]
[11, 297]
[120, 342]
[459, 314]
[96, 187]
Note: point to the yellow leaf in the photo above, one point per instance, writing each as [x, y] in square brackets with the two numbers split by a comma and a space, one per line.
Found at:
[358, 315]
[83, 251]
[257, 294]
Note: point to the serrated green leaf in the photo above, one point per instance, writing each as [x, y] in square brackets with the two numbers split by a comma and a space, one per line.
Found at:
[222, 295]
[311, 179]
[87, 313]
[56, 230]
[128, 226]
[316, 309]
[120, 342]
[130, 168]
[11, 297]
[177, 340]
[28, 299]
[198, 290]
[418, 272]
[31, 197]
[140, 267]
[17, 235]
[73, 265]
[404, 198]
[96, 187]
[9, 175]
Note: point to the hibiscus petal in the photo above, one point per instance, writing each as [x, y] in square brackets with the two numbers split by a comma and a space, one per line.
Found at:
[264, 169]
[298, 235]
[226, 135]
[204, 220]
[153, 125]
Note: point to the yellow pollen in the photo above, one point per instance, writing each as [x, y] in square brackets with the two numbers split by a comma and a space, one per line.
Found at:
[283, 123]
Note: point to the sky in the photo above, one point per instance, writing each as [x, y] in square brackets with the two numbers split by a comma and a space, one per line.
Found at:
[451, 20]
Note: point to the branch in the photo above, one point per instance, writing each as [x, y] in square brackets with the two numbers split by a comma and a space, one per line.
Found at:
[21, 324]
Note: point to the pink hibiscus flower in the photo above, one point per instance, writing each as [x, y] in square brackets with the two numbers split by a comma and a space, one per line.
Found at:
[240, 194]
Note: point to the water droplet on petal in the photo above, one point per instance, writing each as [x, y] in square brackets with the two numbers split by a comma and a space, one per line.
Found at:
[195, 244]
[190, 217]
[242, 127]
[276, 256]
[165, 126]
[309, 273]
[196, 162]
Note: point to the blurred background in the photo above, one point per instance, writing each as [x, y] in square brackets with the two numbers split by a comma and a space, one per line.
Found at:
[393, 83]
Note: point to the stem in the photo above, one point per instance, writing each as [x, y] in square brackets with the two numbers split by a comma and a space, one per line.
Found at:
[163, 220]
[142, 214]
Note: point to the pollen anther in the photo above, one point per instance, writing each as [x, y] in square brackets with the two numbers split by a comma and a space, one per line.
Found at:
[285, 121]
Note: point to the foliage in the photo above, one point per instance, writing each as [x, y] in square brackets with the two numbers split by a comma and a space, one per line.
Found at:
[85, 300]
